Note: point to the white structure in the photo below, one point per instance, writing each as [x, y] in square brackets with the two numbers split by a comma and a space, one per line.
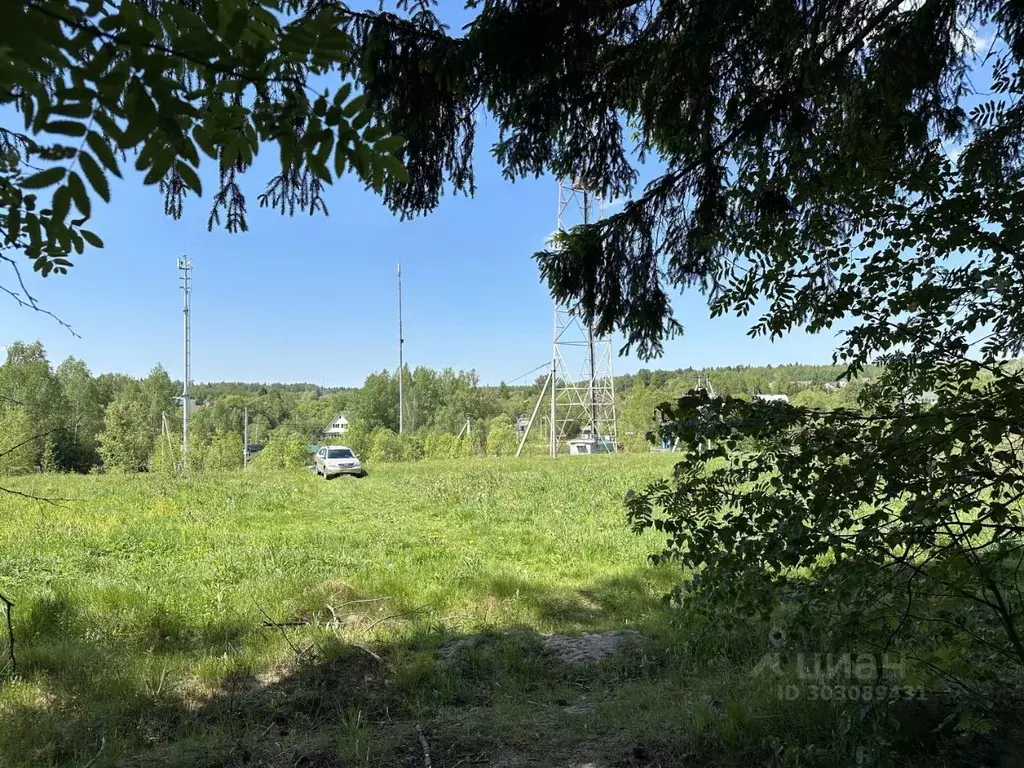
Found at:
[771, 398]
[585, 446]
[339, 426]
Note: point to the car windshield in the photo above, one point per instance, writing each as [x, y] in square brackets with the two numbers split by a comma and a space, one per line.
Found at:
[339, 453]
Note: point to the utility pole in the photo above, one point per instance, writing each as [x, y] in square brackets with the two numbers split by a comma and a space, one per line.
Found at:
[401, 342]
[245, 437]
[185, 280]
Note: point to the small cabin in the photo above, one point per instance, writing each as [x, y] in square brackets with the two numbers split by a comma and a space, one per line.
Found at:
[585, 446]
[337, 427]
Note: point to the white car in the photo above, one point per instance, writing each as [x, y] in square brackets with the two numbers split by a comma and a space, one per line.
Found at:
[333, 460]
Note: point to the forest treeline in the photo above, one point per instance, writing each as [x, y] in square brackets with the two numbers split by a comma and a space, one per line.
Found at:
[65, 418]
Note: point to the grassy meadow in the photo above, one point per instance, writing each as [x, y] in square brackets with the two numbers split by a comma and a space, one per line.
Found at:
[247, 619]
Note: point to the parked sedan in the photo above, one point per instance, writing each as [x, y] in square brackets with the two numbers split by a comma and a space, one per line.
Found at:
[333, 460]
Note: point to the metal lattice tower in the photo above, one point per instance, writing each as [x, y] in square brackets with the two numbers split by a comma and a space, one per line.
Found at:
[185, 281]
[582, 384]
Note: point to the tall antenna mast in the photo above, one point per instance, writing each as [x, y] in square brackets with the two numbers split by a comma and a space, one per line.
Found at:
[185, 280]
[401, 342]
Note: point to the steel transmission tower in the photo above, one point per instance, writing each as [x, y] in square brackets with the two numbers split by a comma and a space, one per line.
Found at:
[185, 281]
[581, 380]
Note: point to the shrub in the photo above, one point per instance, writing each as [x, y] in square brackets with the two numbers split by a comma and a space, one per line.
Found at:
[385, 446]
[166, 454]
[440, 445]
[412, 446]
[16, 444]
[501, 437]
[223, 452]
[284, 450]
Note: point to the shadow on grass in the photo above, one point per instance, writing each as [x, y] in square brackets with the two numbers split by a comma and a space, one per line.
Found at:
[336, 699]
[500, 700]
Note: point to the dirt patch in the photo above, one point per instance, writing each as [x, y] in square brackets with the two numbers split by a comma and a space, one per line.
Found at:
[587, 647]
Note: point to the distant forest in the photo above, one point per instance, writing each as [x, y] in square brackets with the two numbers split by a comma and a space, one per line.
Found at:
[65, 418]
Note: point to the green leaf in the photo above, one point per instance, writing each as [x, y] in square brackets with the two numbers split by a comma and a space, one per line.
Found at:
[91, 238]
[163, 159]
[374, 133]
[361, 120]
[355, 105]
[237, 25]
[362, 161]
[342, 93]
[189, 177]
[389, 145]
[205, 141]
[43, 179]
[211, 14]
[395, 169]
[79, 194]
[61, 204]
[141, 113]
[102, 150]
[95, 175]
[339, 159]
[80, 109]
[65, 127]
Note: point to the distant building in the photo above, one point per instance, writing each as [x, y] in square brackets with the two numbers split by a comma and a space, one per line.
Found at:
[770, 398]
[832, 386]
[585, 446]
[339, 426]
[925, 398]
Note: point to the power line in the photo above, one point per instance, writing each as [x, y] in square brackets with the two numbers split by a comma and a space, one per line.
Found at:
[545, 364]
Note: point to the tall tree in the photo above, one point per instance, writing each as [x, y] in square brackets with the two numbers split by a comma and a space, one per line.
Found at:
[17, 447]
[27, 382]
[84, 413]
[376, 404]
[160, 392]
[126, 441]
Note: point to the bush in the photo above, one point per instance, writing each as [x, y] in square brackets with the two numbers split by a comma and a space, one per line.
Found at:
[16, 430]
[412, 446]
[166, 455]
[126, 442]
[385, 446]
[357, 437]
[501, 437]
[440, 445]
[284, 450]
[223, 452]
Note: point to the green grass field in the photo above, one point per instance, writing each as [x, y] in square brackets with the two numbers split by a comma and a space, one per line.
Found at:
[281, 620]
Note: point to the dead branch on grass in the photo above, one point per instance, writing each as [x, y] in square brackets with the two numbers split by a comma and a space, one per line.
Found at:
[299, 653]
[369, 653]
[423, 743]
[394, 616]
[334, 622]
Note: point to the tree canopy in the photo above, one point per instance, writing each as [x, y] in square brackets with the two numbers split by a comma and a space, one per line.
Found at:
[161, 85]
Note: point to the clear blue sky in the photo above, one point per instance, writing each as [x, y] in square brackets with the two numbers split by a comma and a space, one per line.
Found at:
[313, 299]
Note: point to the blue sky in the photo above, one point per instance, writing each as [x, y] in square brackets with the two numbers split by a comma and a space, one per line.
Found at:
[313, 299]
